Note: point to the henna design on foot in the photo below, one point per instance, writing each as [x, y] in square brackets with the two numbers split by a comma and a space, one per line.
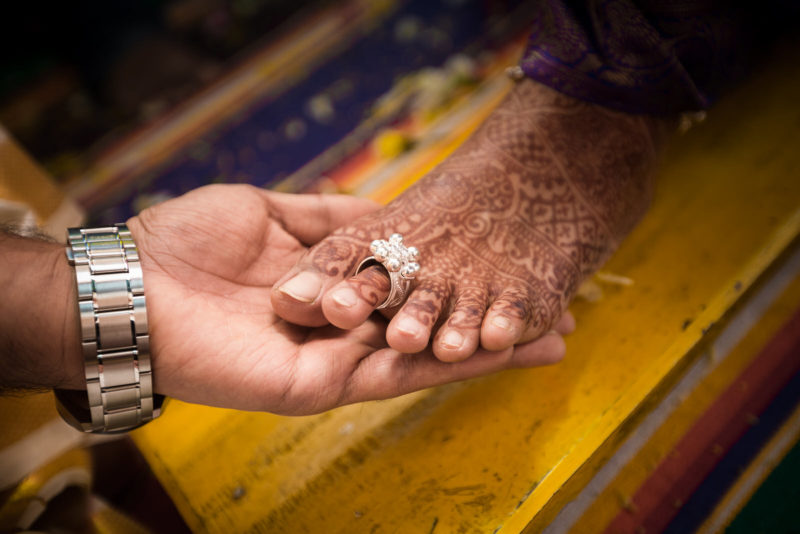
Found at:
[507, 227]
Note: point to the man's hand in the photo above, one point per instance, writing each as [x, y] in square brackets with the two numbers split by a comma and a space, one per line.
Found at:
[210, 259]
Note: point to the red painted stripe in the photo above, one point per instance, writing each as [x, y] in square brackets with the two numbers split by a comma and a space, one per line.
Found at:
[659, 498]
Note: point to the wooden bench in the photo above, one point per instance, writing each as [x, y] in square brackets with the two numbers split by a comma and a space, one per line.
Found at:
[507, 453]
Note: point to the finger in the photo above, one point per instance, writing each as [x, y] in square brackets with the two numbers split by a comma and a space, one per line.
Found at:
[388, 373]
[459, 337]
[369, 336]
[410, 330]
[548, 349]
[350, 302]
[312, 217]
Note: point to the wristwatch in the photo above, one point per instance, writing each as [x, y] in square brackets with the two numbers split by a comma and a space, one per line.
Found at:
[114, 337]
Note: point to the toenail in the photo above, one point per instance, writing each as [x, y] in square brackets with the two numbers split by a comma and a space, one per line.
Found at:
[304, 287]
[345, 297]
[502, 322]
[452, 340]
[410, 326]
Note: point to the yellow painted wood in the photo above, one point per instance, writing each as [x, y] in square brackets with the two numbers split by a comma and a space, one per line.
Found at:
[108, 520]
[27, 499]
[20, 415]
[723, 176]
[504, 453]
[620, 491]
[23, 180]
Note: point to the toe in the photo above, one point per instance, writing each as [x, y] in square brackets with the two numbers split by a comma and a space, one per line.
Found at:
[541, 324]
[349, 303]
[501, 330]
[459, 337]
[410, 330]
[518, 317]
[565, 325]
[506, 321]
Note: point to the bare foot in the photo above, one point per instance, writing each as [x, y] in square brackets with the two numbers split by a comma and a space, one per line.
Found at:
[507, 227]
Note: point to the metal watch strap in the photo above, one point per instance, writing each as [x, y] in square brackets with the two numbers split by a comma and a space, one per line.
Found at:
[113, 322]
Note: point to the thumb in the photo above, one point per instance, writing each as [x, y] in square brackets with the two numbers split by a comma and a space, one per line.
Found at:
[310, 218]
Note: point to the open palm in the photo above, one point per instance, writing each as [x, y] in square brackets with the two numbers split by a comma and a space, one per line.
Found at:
[210, 259]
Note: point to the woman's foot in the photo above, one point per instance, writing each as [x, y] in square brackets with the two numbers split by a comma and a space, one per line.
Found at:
[507, 228]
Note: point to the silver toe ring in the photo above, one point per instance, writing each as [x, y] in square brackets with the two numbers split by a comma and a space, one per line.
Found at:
[401, 264]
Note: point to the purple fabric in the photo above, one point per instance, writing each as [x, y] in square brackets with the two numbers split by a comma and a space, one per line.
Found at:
[653, 57]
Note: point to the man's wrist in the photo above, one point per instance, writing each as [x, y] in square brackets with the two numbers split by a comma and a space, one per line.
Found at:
[72, 365]
[39, 340]
[114, 336]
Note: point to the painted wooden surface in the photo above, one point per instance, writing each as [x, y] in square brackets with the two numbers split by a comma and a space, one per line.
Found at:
[24, 182]
[505, 453]
[751, 480]
[655, 472]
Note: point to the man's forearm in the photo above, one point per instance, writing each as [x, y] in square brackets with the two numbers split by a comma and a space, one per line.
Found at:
[39, 345]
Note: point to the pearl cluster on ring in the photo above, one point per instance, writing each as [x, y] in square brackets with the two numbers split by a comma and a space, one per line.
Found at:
[395, 256]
